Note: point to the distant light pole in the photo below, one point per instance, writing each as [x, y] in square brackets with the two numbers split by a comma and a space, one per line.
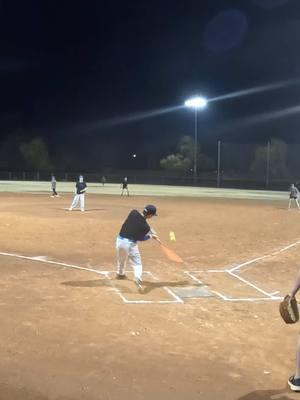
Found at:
[196, 103]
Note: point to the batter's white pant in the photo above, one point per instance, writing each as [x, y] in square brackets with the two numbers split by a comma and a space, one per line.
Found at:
[127, 249]
[78, 198]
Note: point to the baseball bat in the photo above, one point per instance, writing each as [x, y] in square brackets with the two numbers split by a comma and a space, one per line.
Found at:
[169, 253]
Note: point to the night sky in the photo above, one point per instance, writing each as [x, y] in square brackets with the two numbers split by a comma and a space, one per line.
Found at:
[67, 68]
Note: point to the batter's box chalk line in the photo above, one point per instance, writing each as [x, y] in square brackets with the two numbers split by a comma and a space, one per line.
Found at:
[175, 298]
[267, 296]
[172, 295]
[107, 274]
[234, 273]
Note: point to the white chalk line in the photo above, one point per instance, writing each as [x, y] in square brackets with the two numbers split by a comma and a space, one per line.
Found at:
[274, 253]
[231, 272]
[45, 260]
[269, 296]
[170, 292]
[177, 298]
[250, 284]
[193, 277]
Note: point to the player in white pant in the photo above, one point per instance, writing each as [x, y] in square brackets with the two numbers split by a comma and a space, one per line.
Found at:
[135, 228]
[128, 249]
[294, 195]
[80, 190]
[53, 187]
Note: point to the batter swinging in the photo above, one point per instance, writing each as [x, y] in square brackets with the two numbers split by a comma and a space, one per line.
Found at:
[135, 228]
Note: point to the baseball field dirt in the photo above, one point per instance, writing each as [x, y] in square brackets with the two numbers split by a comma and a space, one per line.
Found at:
[70, 331]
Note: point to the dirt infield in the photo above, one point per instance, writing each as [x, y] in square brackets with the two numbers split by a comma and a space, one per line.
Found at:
[69, 333]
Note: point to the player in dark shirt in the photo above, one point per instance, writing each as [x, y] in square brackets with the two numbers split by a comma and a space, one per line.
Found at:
[124, 186]
[80, 189]
[134, 229]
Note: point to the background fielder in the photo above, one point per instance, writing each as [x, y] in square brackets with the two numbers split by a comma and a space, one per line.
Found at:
[80, 189]
[134, 229]
[294, 194]
[53, 187]
[124, 186]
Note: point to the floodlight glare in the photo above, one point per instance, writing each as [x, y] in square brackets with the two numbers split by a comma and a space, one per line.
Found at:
[196, 102]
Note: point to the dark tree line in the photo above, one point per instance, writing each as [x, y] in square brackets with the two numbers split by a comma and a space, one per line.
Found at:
[17, 153]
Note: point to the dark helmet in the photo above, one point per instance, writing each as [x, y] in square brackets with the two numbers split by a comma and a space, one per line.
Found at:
[150, 210]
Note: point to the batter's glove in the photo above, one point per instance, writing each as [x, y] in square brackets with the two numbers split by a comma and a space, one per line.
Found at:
[288, 309]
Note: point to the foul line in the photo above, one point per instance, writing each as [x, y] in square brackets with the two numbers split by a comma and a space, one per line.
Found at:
[44, 259]
[274, 253]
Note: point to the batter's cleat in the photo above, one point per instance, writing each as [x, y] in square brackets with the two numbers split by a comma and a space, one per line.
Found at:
[121, 276]
[294, 384]
[70, 209]
[52, 196]
[139, 285]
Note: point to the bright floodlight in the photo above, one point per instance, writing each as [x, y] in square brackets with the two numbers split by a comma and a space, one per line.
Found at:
[196, 102]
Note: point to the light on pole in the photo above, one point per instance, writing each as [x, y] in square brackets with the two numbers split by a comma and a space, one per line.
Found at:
[196, 103]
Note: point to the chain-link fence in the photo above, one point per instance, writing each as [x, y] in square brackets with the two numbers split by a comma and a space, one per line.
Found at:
[135, 177]
[274, 165]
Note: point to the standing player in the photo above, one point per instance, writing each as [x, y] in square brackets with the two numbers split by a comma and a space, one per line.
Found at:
[80, 189]
[294, 194]
[103, 180]
[124, 186]
[53, 187]
[135, 228]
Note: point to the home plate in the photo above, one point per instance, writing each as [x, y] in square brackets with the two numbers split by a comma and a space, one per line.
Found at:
[191, 291]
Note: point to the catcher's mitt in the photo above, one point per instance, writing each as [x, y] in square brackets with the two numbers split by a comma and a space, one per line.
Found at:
[288, 309]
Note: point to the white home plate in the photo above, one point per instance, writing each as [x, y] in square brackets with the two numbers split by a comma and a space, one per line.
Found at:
[192, 291]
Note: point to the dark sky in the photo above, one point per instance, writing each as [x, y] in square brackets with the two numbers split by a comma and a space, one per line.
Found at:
[68, 66]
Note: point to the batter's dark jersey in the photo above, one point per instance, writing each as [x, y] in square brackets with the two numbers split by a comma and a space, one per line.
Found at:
[135, 226]
[80, 186]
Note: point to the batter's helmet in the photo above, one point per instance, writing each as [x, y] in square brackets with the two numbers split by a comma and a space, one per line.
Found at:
[150, 210]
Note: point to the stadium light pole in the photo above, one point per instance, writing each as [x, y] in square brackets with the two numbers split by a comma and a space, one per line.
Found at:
[196, 103]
